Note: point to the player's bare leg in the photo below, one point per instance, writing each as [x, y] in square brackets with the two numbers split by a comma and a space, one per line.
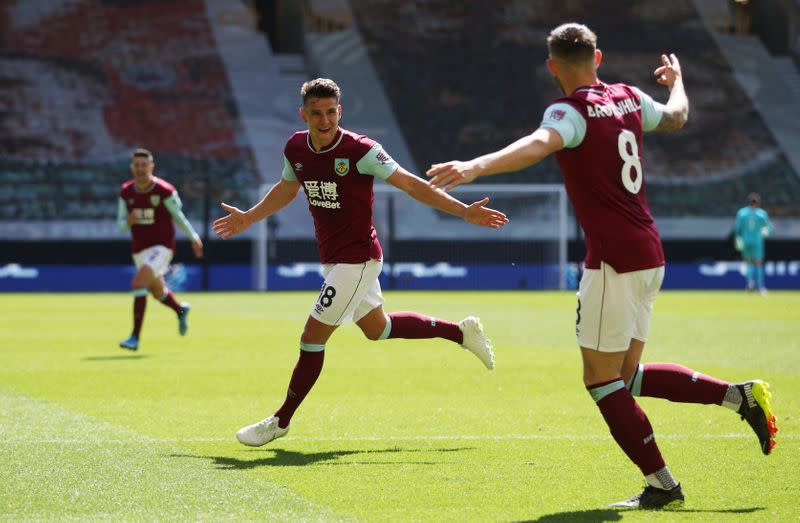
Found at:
[309, 366]
[158, 288]
[632, 359]
[377, 325]
[140, 284]
[674, 382]
[630, 428]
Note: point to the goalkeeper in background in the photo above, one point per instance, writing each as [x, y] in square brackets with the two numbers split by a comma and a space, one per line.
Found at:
[752, 226]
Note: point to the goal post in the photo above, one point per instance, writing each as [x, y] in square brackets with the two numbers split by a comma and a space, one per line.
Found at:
[537, 235]
[260, 257]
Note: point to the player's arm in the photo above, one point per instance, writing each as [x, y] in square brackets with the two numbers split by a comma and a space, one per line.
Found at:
[767, 228]
[175, 207]
[738, 229]
[676, 111]
[279, 196]
[524, 152]
[738, 225]
[422, 191]
[124, 220]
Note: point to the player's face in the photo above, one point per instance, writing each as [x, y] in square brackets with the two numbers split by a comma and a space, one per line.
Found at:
[142, 169]
[322, 116]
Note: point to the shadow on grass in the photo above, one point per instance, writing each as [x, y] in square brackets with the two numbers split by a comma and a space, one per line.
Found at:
[748, 510]
[290, 458]
[589, 516]
[610, 514]
[116, 357]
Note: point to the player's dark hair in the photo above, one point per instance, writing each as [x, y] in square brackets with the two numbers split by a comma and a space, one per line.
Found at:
[753, 198]
[573, 43]
[320, 88]
[142, 153]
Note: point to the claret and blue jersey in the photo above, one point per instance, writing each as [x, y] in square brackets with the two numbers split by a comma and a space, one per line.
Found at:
[601, 127]
[338, 182]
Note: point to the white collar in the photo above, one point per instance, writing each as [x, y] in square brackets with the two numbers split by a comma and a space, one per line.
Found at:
[327, 149]
[149, 188]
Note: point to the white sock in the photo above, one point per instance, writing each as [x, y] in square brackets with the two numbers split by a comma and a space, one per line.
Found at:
[662, 479]
[732, 399]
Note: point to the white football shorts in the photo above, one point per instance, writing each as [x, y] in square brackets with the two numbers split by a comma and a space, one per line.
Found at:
[613, 308]
[349, 292]
[156, 257]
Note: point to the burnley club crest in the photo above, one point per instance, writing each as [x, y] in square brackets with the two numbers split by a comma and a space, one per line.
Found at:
[342, 166]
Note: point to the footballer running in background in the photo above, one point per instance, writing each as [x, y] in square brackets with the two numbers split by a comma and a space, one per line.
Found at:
[751, 227]
[147, 206]
[595, 132]
[336, 168]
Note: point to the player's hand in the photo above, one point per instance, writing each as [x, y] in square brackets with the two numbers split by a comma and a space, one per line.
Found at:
[669, 72]
[479, 214]
[451, 174]
[232, 224]
[197, 247]
[132, 218]
[738, 243]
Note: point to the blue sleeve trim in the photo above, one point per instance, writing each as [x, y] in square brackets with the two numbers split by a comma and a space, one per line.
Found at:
[122, 215]
[377, 163]
[652, 111]
[567, 122]
[288, 173]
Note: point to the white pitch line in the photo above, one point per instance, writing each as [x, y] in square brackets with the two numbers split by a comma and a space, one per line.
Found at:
[505, 437]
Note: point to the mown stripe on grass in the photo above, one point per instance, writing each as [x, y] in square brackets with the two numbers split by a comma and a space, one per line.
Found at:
[504, 437]
[147, 478]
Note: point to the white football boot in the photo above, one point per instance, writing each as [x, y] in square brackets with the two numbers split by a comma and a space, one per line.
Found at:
[476, 341]
[261, 433]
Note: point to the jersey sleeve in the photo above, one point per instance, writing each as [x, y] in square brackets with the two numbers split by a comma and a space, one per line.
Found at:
[173, 204]
[566, 121]
[377, 163]
[122, 215]
[767, 228]
[288, 172]
[738, 226]
[651, 110]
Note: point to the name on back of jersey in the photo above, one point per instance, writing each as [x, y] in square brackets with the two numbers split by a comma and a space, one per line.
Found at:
[623, 107]
[322, 194]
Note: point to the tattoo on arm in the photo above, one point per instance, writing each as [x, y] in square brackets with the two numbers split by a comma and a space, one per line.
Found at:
[670, 121]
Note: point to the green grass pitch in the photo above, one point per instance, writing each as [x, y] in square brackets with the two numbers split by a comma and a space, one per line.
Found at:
[393, 431]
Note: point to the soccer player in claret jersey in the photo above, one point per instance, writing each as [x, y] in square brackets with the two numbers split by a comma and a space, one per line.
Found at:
[147, 206]
[595, 131]
[336, 168]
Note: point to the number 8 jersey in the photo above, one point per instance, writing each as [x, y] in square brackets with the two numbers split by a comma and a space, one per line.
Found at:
[601, 163]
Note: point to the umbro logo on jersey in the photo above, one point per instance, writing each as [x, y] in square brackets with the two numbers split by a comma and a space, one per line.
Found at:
[298, 166]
